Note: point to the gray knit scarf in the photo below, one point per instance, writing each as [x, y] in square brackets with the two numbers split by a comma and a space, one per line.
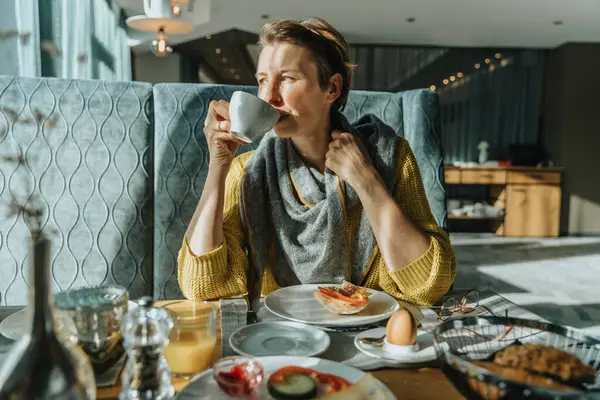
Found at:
[311, 242]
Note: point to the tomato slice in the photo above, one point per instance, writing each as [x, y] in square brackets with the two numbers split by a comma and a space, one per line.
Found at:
[280, 374]
[337, 295]
[333, 383]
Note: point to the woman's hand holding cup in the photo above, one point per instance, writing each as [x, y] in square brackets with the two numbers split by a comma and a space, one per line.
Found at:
[222, 144]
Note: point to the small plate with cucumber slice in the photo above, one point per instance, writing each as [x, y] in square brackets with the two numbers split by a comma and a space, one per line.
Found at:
[296, 378]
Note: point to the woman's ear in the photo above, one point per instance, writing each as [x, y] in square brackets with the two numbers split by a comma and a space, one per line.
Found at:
[335, 87]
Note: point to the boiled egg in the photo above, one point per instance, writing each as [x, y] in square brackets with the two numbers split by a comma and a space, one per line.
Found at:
[401, 329]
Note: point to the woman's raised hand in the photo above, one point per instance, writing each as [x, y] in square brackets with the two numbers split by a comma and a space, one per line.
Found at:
[348, 159]
[222, 144]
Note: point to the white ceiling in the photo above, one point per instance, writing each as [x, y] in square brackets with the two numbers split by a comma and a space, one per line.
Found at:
[477, 23]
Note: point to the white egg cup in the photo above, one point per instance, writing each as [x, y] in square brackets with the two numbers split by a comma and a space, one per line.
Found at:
[251, 117]
[399, 350]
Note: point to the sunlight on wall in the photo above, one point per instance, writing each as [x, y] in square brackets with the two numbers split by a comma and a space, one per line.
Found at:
[584, 215]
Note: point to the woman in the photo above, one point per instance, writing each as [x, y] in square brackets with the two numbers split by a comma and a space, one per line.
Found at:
[310, 204]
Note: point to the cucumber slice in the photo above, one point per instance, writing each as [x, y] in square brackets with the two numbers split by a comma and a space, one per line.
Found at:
[294, 386]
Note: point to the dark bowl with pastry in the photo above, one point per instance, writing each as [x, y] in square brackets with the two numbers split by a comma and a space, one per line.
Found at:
[512, 358]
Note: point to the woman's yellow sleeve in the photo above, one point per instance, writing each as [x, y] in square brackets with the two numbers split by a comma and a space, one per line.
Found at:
[430, 276]
[221, 272]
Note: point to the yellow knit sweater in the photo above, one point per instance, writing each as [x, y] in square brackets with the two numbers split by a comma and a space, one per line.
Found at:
[221, 272]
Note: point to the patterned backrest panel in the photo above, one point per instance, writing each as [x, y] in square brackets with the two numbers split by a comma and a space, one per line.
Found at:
[181, 157]
[89, 154]
[414, 114]
[181, 165]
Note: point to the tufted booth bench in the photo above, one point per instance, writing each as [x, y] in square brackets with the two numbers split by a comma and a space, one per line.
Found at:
[120, 166]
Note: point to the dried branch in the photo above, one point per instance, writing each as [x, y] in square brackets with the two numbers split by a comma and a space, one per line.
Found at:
[10, 114]
[32, 209]
[32, 214]
[50, 48]
[24, 37]
[8, 34]
[19, 160]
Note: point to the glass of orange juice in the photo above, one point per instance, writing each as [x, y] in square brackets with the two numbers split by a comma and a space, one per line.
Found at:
[193, 339]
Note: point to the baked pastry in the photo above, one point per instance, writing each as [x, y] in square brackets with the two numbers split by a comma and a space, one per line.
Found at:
[493, 392]
[522, 375]
[534, 365]
[348, 299]
[547, 361]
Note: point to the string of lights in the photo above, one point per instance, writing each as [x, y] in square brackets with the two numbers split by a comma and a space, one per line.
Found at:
[225, 60]
[489, 64]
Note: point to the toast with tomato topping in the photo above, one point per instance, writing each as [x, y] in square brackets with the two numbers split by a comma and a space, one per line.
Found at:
[347, 299]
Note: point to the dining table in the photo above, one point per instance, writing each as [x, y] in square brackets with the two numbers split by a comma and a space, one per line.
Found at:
[409, 381]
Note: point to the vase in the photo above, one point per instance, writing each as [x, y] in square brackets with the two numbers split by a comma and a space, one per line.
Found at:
[42, 364]
[483, 156]
[93, 316]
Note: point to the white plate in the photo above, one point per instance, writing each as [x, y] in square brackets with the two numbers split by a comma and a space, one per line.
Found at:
[12, 326]
[425, 354]
[279, 338]
[204, 387]
[298, 303]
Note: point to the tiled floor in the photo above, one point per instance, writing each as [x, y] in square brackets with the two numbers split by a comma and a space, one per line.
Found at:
[558, 279]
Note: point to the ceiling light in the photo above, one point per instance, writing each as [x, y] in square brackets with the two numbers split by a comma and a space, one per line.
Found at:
[154, 21]
[460, 75]
[218, 51]
[445, 81]
[492, 67]
[237, 77]
[487, 61]
[224, 59]
[504, 62]
[498, 55]
[432, 87]
[208, 36]
[452, 78]
[477, 66]
[159, 45]
[176, 6]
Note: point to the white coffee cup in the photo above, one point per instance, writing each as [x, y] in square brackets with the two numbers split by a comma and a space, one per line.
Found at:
[251, 117]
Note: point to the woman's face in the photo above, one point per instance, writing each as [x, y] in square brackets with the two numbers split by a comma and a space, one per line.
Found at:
[288, 80]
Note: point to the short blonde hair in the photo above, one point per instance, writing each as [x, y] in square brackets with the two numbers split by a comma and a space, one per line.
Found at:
[327, 46]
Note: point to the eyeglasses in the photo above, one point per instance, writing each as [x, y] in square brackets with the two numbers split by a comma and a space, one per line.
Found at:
[467, 304]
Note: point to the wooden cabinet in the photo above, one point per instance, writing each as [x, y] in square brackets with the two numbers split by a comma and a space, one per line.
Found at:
[534, 177]
[451, 175]
[532, 210]
[475, 176]
[483, 176]
[530, 197]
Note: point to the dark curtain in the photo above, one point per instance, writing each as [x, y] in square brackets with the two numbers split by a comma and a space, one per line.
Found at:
[497, 100]
[188, 68]
[499, 103]
[383, 68]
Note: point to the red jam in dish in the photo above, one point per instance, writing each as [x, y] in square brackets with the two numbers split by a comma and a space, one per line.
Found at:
[237, 381]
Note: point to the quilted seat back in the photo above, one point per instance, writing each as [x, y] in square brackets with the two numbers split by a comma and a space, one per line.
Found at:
[88, 153]
[120, 166]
